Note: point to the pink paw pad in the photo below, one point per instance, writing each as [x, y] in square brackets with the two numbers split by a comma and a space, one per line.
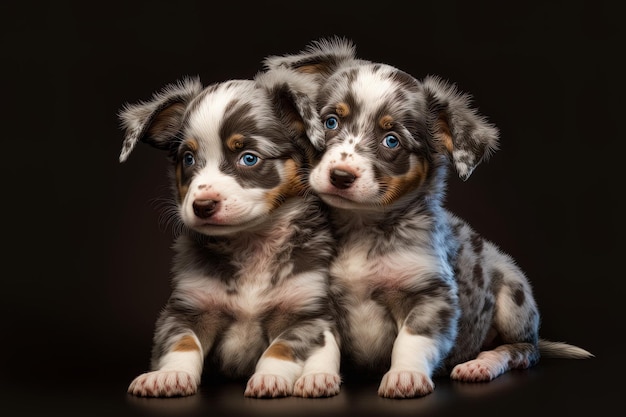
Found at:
[163, 384]
[475, 371]
[405, 384]
[317, 385]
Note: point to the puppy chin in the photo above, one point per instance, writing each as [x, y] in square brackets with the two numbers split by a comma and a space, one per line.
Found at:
[338, 201]
[228, 229]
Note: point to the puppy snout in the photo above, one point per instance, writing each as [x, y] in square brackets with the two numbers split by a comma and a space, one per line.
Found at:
[204, 208]
[341, 179]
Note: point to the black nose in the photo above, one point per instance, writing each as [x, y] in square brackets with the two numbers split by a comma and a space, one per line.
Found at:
[341, 179]
[204, 208]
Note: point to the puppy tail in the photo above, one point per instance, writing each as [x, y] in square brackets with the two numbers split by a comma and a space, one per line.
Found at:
[562, 350]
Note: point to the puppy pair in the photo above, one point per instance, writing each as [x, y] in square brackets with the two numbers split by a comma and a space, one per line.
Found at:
[414, 291]
[250, 294]
[417, 292]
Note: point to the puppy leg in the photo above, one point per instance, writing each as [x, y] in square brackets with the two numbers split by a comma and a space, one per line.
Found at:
[310, 346]
[275, 373]
[412, 361]
[320, 375]
[178, 371]
[492, 363]
[515, 325]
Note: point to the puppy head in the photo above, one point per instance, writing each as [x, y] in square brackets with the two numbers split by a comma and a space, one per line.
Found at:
[238, 149]
[385, 133]
[388, 136]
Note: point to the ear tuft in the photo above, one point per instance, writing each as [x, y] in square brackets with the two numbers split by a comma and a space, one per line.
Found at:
[304, 73]
[301, 94]
[156, 121]
[463, 133]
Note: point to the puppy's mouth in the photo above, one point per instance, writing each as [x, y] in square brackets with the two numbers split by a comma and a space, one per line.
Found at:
[220, 229]
[220, 215]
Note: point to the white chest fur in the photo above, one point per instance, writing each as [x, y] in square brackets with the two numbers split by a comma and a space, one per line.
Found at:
[361, 278]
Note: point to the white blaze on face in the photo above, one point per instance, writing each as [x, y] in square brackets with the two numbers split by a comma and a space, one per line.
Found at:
[236, 207]
[369, 90]
[343, 156]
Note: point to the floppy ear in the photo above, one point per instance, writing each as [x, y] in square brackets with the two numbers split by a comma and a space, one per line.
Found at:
[459, 129]
[158, 120]
[294, 97]
[301, 75]
[319, 59]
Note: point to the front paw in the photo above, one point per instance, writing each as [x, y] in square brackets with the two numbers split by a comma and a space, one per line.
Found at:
[264, 386]
[163, 384]
[317, 385]
[405, 384]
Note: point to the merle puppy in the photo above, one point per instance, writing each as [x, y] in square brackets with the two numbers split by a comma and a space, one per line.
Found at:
[250, 274]
[417, 290]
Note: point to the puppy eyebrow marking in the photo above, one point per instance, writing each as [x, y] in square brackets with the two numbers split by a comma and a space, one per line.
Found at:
[342, 109]
[191, 144]
[186, 344]
[279, 351]
[235, 141]
[386, 122]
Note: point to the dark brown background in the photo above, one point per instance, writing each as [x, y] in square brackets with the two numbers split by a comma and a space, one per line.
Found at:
[86, 260]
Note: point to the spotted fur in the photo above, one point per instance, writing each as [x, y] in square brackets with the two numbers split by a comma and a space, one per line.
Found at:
[250, 274]
[419, 293]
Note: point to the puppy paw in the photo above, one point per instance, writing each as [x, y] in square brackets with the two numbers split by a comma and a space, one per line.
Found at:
[476, 370]
[317, 385]
[405, 384]
[163, 384]
[264, 386]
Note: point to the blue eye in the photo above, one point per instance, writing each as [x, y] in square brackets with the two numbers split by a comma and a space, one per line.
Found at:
[390, 141]
[331, 123]
[188, 159]
[248, 159]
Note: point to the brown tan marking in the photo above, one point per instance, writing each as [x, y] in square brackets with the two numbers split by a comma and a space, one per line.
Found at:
[186, 344]
[279, 351]
[167, 122]
[386, 122]
[398, 186]
[192, 144]
[235, 141]
[315, 69]
[291, 186]
[442, 132]
[342, 109]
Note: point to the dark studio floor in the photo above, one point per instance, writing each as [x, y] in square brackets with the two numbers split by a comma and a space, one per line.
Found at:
[573, 388]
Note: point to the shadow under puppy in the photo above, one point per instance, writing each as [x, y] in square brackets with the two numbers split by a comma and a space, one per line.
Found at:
[418, 292]
[250, 273]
